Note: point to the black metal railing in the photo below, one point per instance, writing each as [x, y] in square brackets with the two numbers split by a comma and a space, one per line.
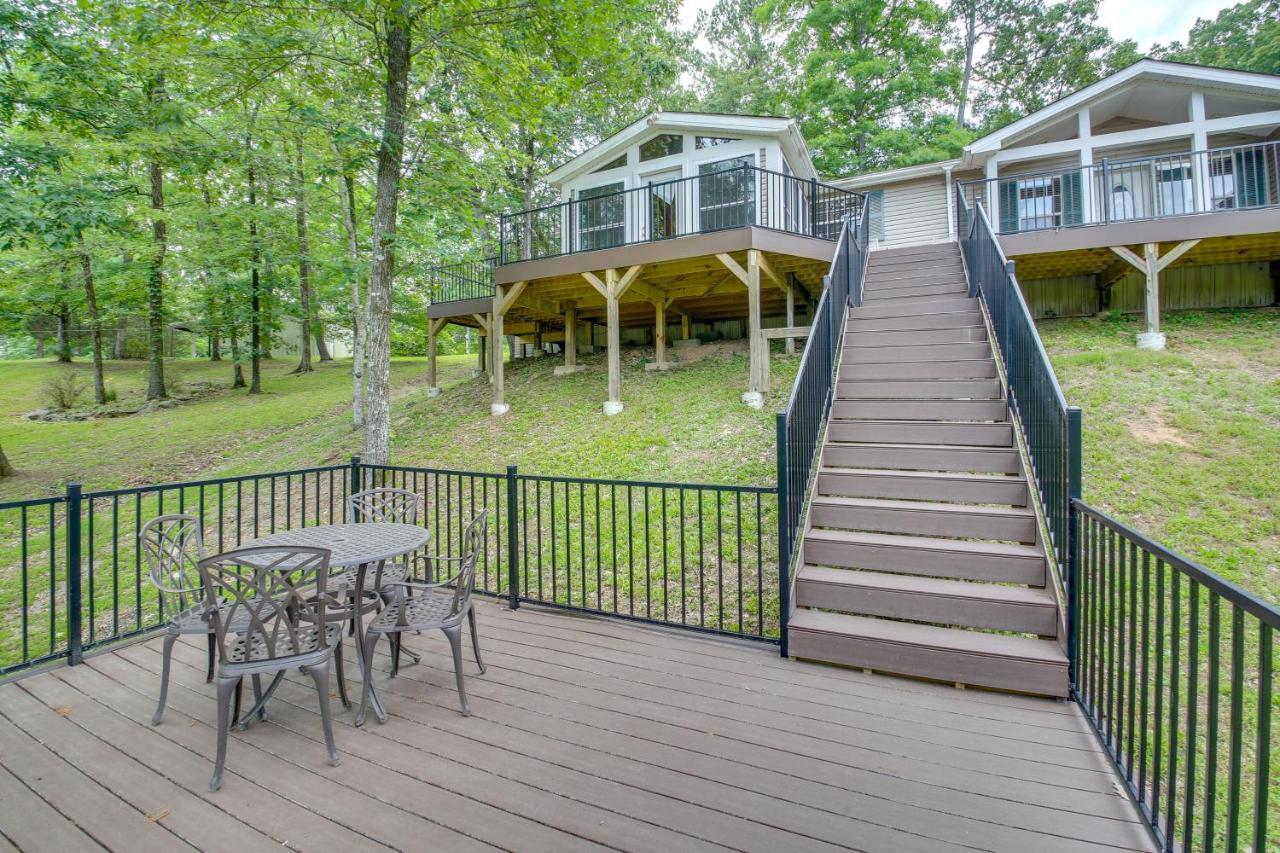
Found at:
[462, 280]
[1175, 670]
[1241, 177]
[715, 200]
[1050, 427]
[800, 425]
[700, 556]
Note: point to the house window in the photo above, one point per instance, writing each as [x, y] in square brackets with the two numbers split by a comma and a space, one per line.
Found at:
[615, 163]
[1039, 203]
[1174, 183]
[701, 142]
[1222, 181]
[662, 145]
[726, 193]
[601, 217]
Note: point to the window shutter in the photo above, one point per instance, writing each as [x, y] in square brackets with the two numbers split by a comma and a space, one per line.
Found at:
[875, 215]
[1072, 199]
[1251, 179]
[1008, 207]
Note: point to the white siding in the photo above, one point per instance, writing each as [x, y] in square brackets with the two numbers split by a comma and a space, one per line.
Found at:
[915, 211]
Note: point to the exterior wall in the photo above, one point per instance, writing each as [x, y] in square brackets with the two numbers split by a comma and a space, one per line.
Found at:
[1242, 285]
[915, 211]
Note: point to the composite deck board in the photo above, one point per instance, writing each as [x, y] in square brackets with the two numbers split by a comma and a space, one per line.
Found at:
[585, 734]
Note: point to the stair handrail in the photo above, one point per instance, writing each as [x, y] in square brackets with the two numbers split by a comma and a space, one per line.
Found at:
[1051, 429]
[800, 425]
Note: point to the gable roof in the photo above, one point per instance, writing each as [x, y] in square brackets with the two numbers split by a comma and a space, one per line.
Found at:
[783, 129]
[1144, 69]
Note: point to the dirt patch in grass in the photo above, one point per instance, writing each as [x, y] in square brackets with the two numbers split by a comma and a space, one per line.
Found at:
[1154, 429]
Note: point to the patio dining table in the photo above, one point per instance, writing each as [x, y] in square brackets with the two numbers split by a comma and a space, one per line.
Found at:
[358, 545]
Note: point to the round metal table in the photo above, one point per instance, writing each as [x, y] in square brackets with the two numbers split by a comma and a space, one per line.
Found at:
[353, 545]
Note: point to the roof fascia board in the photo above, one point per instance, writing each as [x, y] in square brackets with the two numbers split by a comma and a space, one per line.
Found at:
[895, 176]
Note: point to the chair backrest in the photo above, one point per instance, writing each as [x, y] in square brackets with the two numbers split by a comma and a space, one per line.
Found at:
[173, 547]
[472, 542]
[384, 505]
[270, 594]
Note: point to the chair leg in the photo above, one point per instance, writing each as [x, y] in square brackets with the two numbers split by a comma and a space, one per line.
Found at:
[395, 654]
[235, 718]
[226, 686]
[454, 633]
[370, 644]
[320, 675]
[169, 639]
[213, 644]
[257, 703]
[475, 640]
[342, 675]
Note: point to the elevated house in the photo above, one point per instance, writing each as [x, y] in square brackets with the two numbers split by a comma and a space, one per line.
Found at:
[1153, 188]
[677, 223]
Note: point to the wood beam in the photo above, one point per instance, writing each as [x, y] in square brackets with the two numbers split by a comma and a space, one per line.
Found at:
[759, 346]
[628, 278]
[499, 405]
[791, 318]
[772, 276]
[594, 280]
[1175, 253]
[613, 405]
[1124, 252]
[483, 321]
[433, 389]
[513, 292]
[733, 266]
[787, 332]
[660, 333]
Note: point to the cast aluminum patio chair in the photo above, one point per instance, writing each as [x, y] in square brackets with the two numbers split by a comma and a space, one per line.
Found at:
[172, 546]
[383, 505]
[274, 619]
[437, 605]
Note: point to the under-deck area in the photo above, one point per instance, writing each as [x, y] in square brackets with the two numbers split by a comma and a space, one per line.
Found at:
[586, 733]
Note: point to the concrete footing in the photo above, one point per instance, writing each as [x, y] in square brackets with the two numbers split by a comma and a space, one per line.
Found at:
[566, 370]
[754, 399]
[499, 409]
[659, 365]
[433, 392]
[1151, 340]
[612, 407]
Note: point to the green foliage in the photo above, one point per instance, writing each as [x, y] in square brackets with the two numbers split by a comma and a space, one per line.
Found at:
[65, 390]
[1245, 36]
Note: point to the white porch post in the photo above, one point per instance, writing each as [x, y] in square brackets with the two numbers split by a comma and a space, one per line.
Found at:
[993, 193]
[1200, 161]
[499, 405]
[1151, 264]
[1085, 132]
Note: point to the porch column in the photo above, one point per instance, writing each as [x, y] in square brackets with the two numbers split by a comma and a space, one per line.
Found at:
[499, 405]
[570, 341]
[1200, 161]
[1151, 264]
[1085, 132]
[433, 329]
[993, 194]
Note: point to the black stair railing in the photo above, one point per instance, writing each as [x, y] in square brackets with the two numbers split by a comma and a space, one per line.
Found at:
[800, 425]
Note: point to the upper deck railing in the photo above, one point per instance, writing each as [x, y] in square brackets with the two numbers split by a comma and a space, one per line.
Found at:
[663, 210]
[1242, 177]
[462, 280]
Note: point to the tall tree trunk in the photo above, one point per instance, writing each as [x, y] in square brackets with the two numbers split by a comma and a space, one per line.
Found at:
[215, 345]
[237, 377]
[382, 271]
[118, 349]
[255, 284]
[155, 277]
[95, 323]
[322, 347]
[6, 470]
[304, 262]
[358, 320]
[970, 43]
[63, 347]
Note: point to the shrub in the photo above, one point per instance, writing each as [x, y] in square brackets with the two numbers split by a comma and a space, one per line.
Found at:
[65, 390]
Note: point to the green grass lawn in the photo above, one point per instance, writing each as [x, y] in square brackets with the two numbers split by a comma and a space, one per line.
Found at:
[1184, 444]
[687, 425]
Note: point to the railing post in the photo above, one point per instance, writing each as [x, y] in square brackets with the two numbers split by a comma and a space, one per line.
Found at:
[75, 639]
[784, 535]
[1074, 470]
[354, 485]
[513, 543]
[813, 207]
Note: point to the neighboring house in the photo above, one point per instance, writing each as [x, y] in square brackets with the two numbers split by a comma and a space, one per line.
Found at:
[1159, 153]
[681, 223]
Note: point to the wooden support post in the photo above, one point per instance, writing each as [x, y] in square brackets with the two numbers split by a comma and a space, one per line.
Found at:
[791, 315]
[613, 405]
[1151, 264]
[570, 341]
[759, 347]
[659, 336]
[482, 356]
[433, 329]
[499, 405]
[684, 327]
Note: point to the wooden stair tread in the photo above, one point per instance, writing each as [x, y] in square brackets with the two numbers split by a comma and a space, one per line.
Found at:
[925, 506]
[911, 448]
[930, 636]
[924, 543]
[969, 590]
[862, 334]
[894, 472]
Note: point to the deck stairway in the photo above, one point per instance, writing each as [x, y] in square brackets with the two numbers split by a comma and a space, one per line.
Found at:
[921, 556]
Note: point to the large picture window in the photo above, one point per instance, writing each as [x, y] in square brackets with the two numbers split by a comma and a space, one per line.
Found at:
[601, 215]
[726, 194]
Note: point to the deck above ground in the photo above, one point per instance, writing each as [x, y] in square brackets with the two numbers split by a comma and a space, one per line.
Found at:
[585, 733]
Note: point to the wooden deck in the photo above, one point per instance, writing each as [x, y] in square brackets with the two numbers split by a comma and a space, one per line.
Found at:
[586, 734]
